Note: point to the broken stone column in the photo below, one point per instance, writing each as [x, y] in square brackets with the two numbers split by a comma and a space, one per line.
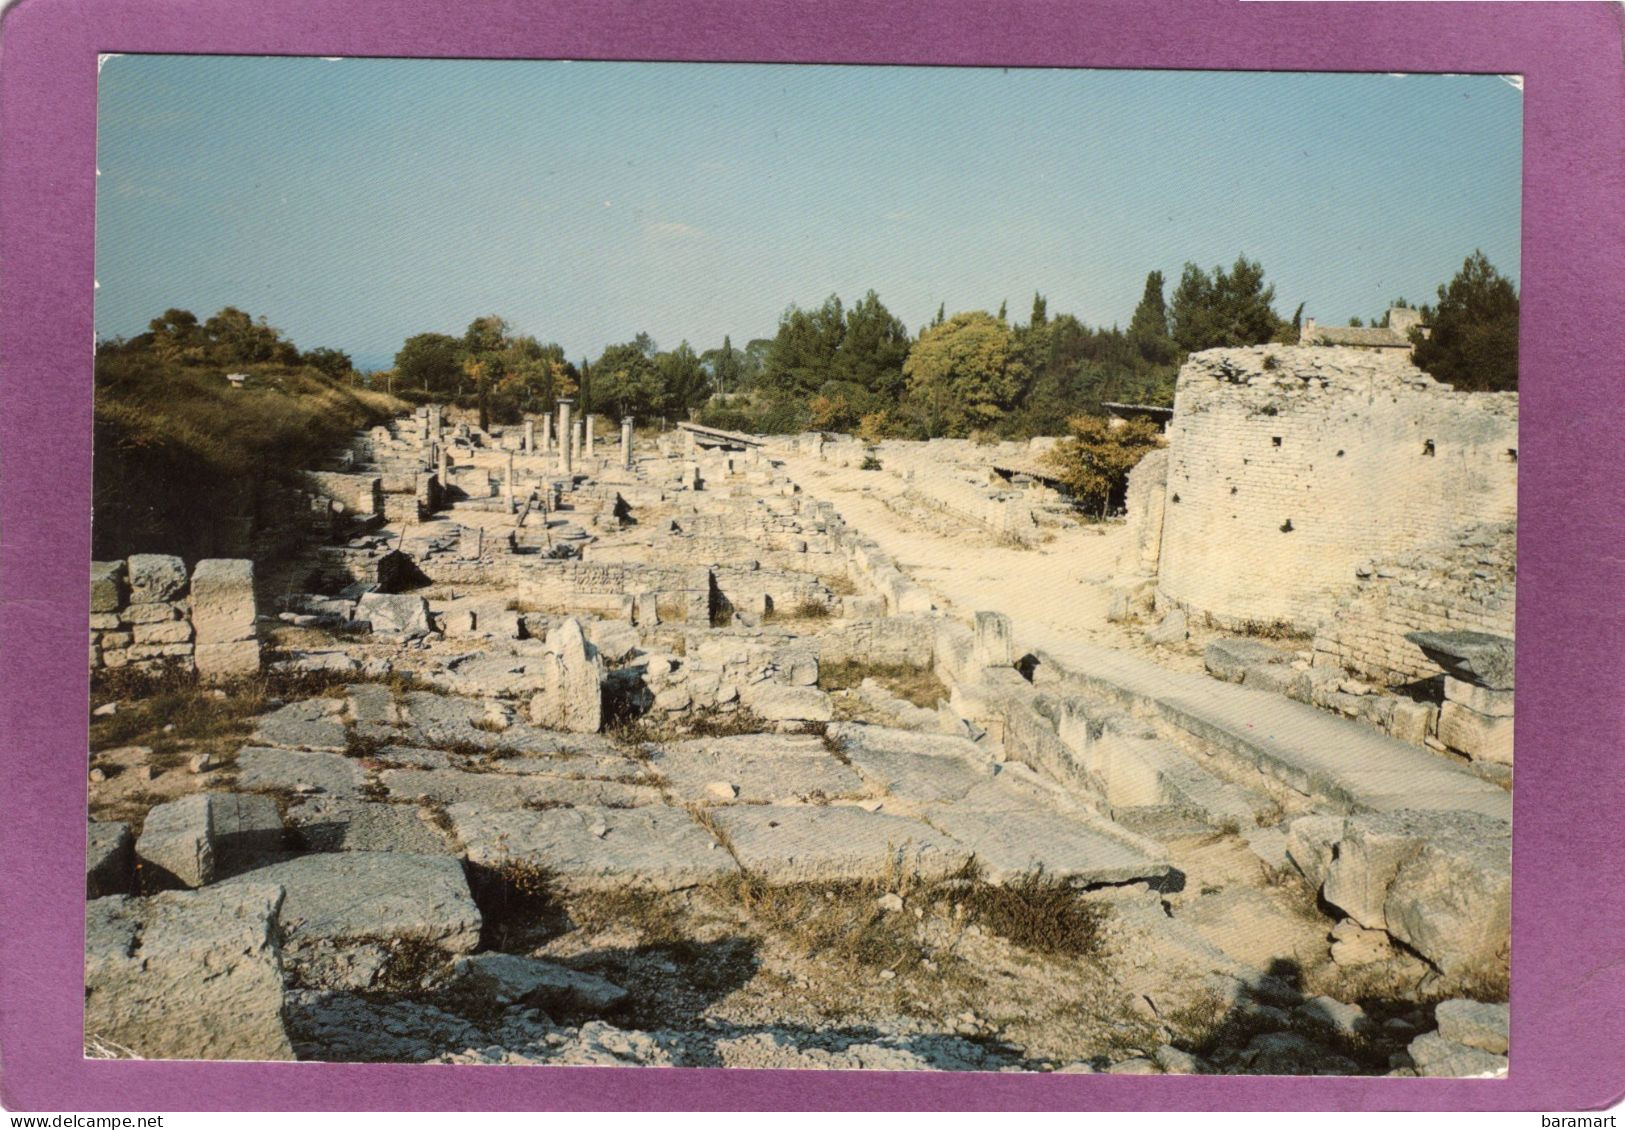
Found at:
[223, 617]
[530, 437]
[571, 697]
[993, 646]
[444, 469]
[575, 440]
[589, 425]
[507, 484]
[547, 434]
[566, 463]
[626, 442]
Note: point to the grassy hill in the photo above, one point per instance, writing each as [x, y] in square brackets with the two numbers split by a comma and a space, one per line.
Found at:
[180, 453]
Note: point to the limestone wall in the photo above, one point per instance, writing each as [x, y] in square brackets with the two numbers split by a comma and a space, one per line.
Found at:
[147, 614]
[1291, 466]
[1466, 583]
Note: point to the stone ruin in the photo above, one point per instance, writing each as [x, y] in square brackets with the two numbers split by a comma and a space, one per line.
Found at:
[1366, 503]
[579, 705]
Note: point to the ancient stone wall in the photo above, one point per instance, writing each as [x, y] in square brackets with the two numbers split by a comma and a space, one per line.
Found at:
[147, 614]
[1465, 583]
[1291, 466]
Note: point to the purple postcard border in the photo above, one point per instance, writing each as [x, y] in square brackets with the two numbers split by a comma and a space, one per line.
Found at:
[1568, 1000]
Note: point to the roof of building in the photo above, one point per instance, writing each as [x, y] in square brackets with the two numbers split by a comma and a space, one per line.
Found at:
[1154, 411]
[1377, 336]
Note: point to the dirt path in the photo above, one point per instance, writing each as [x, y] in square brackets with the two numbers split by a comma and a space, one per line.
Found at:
[1061, 585]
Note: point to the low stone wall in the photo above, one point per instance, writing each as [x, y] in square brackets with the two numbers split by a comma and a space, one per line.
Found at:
[146, 613]
[902, 641]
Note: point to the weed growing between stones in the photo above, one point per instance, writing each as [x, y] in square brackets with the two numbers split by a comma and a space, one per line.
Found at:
[918, 685]
[1037, 913]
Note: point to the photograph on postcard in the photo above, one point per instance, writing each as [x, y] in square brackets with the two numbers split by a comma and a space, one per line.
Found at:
[791, 566]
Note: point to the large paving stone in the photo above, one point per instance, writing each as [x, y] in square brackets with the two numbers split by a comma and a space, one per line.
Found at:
[187, 975]
[751, 775]
[786, 844]
[500, 790]
[109, 860]
[372, 702]
[326, 823]
[654, 847]
[1012, 837]
[910, 766]
[358, 896]
[311, 725]
[289, 771]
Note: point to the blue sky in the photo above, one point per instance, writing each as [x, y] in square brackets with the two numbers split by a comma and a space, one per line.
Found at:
[357, 202]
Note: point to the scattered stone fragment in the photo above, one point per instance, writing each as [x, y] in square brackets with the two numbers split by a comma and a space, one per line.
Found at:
[510, 979]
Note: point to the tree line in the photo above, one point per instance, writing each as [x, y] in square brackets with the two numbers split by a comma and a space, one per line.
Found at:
[856, 367]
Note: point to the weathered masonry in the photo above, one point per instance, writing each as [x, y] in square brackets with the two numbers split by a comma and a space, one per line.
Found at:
[1305, 464]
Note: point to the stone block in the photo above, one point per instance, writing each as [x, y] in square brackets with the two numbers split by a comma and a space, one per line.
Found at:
[168, 631]
[1435, 1057]
[198, 838]
[109, 860]
[1474, 657]
[993, 647]
[1480, 736]
[156, 613]
[311, 724]
[105, 622]
[1475, 1024]
[1495, 704]
[222, 599]
[187, 975]
[223, 662]
[395, 614]
[1230, 659]
[155, 577]
[286, 771]
[1413, 722]
[349, 896]
[107, 587]
[1309, 844]
[776, 702]
[573, 673]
